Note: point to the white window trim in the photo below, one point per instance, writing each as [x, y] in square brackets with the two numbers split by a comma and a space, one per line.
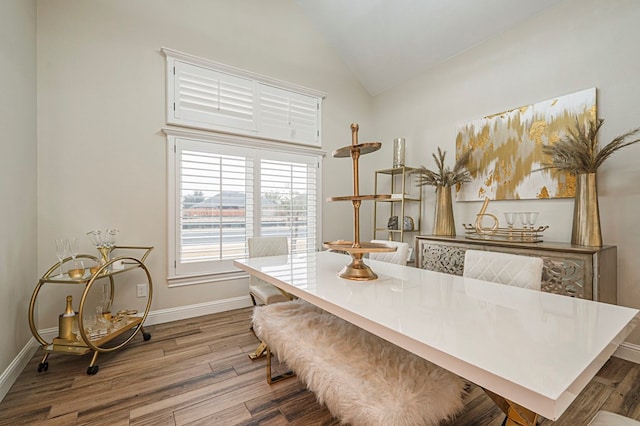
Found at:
[175, 280]
[261, 84]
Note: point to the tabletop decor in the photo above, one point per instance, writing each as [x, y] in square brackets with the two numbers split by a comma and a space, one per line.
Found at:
[357, 269]
[398, 152]
[491, 230]
[578, 153]
[443, 179]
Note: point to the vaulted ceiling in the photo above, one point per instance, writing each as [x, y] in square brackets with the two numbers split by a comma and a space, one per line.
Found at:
[385, 42]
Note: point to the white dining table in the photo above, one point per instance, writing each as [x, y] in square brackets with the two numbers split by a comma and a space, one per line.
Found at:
[531, 351]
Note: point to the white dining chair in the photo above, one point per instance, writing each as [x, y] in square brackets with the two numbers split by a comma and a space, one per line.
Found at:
[261, 292]
[400, 256]
[503, 268]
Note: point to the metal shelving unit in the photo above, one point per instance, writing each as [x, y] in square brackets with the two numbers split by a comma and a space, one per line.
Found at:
[406, 200]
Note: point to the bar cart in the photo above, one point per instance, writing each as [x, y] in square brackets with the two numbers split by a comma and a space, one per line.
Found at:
[124, 324]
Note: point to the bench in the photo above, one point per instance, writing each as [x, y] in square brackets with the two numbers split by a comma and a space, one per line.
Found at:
[361, 378]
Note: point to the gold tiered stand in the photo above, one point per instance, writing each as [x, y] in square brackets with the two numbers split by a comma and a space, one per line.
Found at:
[357, 269]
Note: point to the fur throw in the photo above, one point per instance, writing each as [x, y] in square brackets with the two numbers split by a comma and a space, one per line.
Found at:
[361, 378]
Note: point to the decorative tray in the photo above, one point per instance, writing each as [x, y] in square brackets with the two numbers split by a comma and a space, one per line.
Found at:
[511, 235]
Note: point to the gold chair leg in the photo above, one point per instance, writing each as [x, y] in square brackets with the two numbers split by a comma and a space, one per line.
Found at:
[259, 352]
[517, 415]
[279, 377]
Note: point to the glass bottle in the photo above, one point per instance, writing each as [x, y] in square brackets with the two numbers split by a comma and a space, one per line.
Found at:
[69, 312]
[66, 320]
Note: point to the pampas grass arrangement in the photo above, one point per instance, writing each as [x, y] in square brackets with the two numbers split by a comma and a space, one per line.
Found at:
[444, 176]
[577, 152]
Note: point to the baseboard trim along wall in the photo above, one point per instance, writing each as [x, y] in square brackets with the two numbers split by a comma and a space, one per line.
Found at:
[626, 351]
[629, 352]
[10, 375]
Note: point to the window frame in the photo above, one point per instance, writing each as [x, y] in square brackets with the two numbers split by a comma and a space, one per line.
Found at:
[175, 278]
[298, 101]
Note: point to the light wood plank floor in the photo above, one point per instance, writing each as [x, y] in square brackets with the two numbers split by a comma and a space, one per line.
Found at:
[197, 372]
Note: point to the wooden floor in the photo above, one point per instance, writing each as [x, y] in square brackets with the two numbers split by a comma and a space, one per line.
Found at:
[196, 372]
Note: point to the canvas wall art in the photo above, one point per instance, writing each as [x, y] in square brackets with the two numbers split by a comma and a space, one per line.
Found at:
[507, 152]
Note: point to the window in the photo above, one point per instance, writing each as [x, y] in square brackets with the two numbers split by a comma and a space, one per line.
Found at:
[203, 94]
[227, 189]
[230, 175]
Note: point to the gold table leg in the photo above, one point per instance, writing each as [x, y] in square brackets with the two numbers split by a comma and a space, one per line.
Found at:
[259, 352]
[517, 415]
[271, 379]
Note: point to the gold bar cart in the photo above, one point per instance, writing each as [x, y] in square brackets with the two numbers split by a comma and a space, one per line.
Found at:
[83, 343]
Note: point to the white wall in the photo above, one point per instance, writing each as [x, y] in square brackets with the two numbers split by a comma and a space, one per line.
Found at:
[577, 45]
[101, 93]
[18, 261]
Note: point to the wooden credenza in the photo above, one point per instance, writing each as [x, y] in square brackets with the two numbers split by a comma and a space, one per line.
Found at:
[578, 271]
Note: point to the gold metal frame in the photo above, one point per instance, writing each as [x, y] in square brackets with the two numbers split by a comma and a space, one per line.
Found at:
[273, 379]
[104, 271]
[517, 415]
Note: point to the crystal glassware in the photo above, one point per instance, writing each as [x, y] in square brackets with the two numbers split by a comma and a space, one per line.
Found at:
[110, 237]
[510, 217]
[62, 251]
[533, 217]
[73, 248]
[77, 266]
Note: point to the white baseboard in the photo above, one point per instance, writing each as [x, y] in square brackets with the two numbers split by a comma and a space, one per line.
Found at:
[629, 352]
[191, 311]
[10, 375]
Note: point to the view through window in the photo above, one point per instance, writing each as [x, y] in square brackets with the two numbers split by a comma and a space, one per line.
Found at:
[229, 194]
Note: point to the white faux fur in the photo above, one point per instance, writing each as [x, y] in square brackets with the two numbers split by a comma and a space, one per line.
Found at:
[361, 378]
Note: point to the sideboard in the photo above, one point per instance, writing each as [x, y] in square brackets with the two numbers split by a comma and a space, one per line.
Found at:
[577, 271]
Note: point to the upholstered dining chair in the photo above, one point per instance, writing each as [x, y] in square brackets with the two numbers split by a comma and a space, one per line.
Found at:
[503, 268]
[262, 292]
[400, 256]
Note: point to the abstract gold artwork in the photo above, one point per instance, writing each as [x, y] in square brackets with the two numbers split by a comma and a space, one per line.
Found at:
[507, 152]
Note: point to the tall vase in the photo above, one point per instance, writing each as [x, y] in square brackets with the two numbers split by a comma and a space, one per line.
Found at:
[586, 214]
[444, 224]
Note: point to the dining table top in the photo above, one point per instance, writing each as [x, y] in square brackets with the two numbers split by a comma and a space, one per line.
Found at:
[534, 348]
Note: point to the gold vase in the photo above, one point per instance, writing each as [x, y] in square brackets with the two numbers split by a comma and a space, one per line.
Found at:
[444, 224]
[586, 213]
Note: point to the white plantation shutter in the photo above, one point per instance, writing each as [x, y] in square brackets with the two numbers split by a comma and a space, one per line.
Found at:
[229, 176]
[207, 95]
[225, 194]
[289, 116]
[210, 99]
[289, 191]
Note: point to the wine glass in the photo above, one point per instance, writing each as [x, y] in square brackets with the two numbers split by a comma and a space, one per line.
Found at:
[510, 217]
[95, 237]
[524, 219]
[533, 217]
[62, 251]
[77, 266]
[110, 239]
[73, 248]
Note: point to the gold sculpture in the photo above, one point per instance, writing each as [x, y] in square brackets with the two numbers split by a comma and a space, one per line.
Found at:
[357, 269]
